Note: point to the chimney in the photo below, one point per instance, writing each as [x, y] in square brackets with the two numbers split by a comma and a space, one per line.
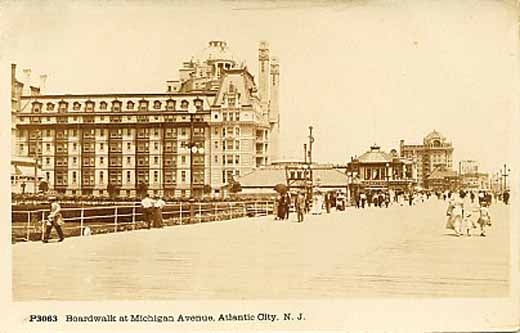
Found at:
[27, 82]
[43, 84]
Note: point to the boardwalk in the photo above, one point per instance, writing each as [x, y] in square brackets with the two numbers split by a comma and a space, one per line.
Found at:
[394, 252]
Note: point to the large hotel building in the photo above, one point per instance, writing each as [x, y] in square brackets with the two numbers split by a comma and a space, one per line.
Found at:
[436, 153]
[84, 142]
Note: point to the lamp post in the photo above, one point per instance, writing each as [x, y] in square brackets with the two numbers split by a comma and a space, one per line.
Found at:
[311, 141]
[387, 176]
[505, 173]
[36, 166]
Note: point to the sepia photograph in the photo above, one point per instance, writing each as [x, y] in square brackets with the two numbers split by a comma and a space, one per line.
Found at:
[261, 151]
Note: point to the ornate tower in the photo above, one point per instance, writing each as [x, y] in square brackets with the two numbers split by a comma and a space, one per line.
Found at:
[274, 112]
[263, 74]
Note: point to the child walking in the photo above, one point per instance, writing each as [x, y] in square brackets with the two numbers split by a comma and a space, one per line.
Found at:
[484, 219]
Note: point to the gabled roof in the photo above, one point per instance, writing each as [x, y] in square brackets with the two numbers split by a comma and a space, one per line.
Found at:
[440, 174]
[237, 81]
[271, 176]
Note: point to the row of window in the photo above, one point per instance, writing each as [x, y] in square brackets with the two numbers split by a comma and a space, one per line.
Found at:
[116, 105]
[61, 178]
[111, 119]
[118, 133]
[118, 161]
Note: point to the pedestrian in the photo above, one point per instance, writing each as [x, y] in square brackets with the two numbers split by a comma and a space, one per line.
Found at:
[410, 199]
[454, 212]
[506, 197]
[287, 205]
[484, 219]
[363, 198]
[328, 202]
[147, 204]
[472, 196]
[317, 204]
[300, 206]
[55, 219]
[158, 206]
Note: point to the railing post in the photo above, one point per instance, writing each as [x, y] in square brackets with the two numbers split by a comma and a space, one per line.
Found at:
[44, 224]
[133, 217]
[81, 222]
[231, 210]
[115, 220]
[255, 209]
[200, 212]
[244, 206]
[180, 212]
[28, 225]
[266, 208]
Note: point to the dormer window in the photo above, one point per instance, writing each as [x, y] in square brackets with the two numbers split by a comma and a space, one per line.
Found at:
[184, 105]
[130, 105]
[63, 106]
[157, 105]
[170, 105]
[89, 106]
[36, 107]
[103, 105]
[50, 107]
[116, 105]
[198, 104]
[143, 105]
[76, 106]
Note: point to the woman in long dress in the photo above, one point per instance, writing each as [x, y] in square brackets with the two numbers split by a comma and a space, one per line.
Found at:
[455, 209]
[317, 203]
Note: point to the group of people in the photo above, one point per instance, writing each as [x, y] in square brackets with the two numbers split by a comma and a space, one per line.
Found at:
[152, 211]
[464, 215]
[303, 204]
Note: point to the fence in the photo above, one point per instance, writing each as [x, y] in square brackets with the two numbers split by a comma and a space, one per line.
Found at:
[29, 225]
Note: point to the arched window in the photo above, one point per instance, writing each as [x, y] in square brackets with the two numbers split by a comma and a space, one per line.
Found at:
[50, 106]
[76, 106]
[103, 105]
[184, 104]
[157, 105]
[130, 105]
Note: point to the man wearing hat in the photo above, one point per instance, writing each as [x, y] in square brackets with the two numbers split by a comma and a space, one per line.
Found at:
[55, 219]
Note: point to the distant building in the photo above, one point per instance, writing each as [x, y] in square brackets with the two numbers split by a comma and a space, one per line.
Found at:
[25, 171]
[295, 174]
[378, 170]
[435, 152]
[90, 143]
[442, 179]
[468, 167]
[475, 181]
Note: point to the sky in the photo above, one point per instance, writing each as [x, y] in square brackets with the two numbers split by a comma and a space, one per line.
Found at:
[359, 72]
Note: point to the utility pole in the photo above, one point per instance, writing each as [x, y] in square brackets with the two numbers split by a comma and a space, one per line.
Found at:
[311, 141]
[305, 153]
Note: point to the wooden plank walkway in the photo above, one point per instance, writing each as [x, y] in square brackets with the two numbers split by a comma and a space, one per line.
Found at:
[376, 252]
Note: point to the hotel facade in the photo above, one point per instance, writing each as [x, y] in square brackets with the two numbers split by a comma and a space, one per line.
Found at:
[93, 144]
